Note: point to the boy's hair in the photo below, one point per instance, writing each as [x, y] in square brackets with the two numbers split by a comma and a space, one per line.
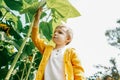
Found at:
[69, 31]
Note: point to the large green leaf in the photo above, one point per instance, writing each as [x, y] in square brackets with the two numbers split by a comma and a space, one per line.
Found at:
[29, 16]
[4, 57]
[13, 32]
[14, 4]
[56, 19]
[3, 72]
[28, 48]
[19, 25]
[38, 58]
[46, 29]
[12, 20]
[32, 8]
[25, 29]
[64, 8]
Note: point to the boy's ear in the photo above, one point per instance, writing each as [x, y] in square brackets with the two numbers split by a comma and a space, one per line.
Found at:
[68, 40]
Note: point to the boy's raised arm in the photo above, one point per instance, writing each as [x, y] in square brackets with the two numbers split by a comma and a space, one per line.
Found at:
[39, 43]
[37, 17]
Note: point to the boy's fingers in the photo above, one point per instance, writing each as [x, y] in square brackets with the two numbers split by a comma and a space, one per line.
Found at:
[38, 12]
[40, 8]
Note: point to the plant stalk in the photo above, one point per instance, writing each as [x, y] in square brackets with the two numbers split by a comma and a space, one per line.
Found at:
[34, 54]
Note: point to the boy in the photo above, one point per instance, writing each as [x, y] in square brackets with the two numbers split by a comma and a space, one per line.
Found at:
[59, 62]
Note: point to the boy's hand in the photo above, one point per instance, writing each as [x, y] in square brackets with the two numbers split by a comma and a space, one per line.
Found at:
[37, 17]
[38, 13]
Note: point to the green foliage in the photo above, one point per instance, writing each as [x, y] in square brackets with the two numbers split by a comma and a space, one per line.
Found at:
[14, 4]
[4, 58]
[30, 1]
[1, 13]
[46, 28]
[31, 8]
[27, 50]
[7, 52]
[3, 73]
[19, 25]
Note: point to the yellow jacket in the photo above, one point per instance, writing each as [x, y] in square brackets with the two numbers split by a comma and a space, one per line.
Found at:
[72, 65]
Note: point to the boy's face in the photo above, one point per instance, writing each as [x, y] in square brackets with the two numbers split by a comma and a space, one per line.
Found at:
[60, 36]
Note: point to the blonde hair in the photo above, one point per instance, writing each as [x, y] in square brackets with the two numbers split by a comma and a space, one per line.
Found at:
[69, 31]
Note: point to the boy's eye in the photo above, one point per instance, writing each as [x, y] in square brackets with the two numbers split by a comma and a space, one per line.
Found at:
[60, 32]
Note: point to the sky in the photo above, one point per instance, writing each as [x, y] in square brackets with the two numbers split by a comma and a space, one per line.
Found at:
[89, 29]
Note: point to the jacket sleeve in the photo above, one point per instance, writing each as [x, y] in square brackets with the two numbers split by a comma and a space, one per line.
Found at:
[38, 42]
[78, 70]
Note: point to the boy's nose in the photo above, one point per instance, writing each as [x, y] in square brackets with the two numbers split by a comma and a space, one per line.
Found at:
[55, 33]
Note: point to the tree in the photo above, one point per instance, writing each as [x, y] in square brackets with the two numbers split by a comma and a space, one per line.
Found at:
[114, 40]
[113, 37]
[18, 55]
